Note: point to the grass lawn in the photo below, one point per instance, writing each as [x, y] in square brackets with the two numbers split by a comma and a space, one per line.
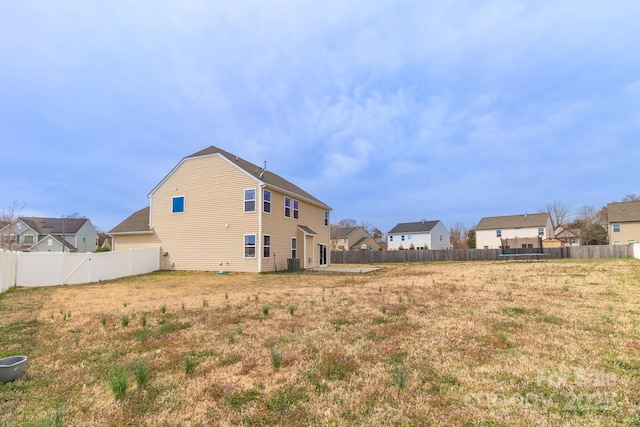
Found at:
[474, 343]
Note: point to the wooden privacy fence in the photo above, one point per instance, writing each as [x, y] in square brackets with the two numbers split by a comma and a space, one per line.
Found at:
[576, 252]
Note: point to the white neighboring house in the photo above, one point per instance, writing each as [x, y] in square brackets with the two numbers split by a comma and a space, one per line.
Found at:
[34, 234]
[491, 231]
[421, 235]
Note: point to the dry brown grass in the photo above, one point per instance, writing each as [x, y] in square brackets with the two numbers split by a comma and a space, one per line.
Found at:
[478, 343]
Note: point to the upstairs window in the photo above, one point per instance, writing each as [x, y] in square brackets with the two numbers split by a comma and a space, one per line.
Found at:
[326, 218]
[178, 204]
[250, 200]
[391, 238]
[287, 207]
[616, 227]
[296, 209]
[498, 233]
[540, 231]
[266, 195]
[28, 238]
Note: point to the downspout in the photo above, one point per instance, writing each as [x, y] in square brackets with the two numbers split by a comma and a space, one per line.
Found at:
[259, 238]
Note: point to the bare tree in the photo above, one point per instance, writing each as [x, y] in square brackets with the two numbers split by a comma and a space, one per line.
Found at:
[459, 234]
[631, 198]
[345, 223]
[593, 225]
[8, 217]
[559, 213]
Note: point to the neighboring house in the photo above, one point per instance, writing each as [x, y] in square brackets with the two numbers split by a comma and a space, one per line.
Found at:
[513, 231]
[568, 236]
[353, 239]
[421, 235]
[624, 222]
[217, 212]
[33, 234]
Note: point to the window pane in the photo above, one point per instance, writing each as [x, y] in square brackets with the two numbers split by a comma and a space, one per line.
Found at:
[250, 200]
[267, 201]
[267, 240]
[178, 204]
[250, 246]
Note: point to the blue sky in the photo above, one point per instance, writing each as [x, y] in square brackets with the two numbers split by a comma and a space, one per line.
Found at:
[388, 111]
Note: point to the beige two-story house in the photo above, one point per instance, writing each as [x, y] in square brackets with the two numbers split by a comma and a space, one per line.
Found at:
[514, 231]
[624, 222]
[217, 212]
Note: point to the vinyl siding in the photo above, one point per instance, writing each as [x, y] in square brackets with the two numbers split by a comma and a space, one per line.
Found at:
[628, 231]
[209, 234]
[282, 229]
[488, 237]
[123, 242]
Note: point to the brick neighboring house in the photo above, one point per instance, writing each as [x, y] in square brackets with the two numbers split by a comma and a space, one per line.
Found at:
[515, 231]
[421, 235]
[36, 234]
[624, 222]
[353, 239]
[217, 212]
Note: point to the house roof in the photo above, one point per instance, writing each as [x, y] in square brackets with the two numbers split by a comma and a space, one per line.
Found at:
[414, 227]
[58, 239]
[307, 230]
[513, 221]
[137, 222]
[567, 233]
[269, 178]
[624, 211]
[44, 226]
[338, 233]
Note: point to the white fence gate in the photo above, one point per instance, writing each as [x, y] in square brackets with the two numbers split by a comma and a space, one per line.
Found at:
[60, 268]
[636, 250]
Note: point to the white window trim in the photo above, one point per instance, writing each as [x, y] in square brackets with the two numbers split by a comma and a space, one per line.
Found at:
[244, 247]
[294, 239]
[264, 245]
[245, 200]
[284, 204]
[295, 213]
[184, 204]
[264, 200]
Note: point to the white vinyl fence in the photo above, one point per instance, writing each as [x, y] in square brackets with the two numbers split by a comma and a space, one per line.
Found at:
[58, 268]
[8, 264]
[636, 250]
